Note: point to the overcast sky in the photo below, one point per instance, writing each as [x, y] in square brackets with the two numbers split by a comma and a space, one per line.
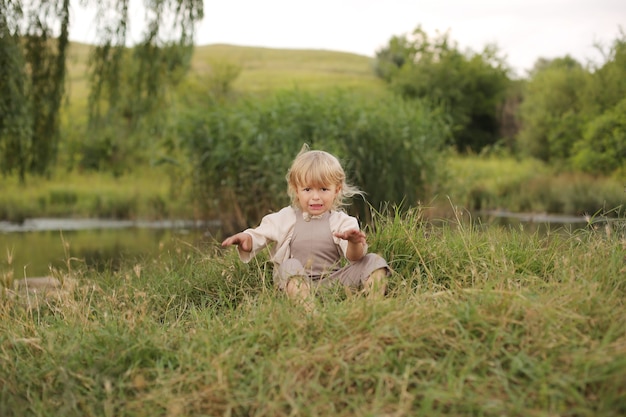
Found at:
[524, 30]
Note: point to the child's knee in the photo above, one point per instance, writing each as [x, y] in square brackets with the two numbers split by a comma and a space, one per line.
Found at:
[376, 283]
[283, 273]
[297, 286]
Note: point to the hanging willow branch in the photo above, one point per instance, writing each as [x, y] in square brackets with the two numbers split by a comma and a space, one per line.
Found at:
[46, 55]
[124, 82]
[34, 40]
[15, 128]
[130, 82]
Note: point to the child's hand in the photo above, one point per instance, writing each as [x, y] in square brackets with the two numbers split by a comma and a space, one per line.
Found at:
[243, 240]
[353, 236]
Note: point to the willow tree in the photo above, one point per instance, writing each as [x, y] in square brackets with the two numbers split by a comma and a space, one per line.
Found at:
[32, 74]
[124, 82]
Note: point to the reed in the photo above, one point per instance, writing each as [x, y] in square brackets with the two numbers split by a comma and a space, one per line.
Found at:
[526, 185]
[146, 193]
[240, 152]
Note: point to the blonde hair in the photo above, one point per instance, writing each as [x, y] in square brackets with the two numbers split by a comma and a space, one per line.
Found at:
[319, 168]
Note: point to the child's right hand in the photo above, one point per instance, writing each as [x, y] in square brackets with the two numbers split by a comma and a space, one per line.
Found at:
[243, 240]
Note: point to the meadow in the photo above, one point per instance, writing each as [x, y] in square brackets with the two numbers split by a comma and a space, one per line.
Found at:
[479, 319]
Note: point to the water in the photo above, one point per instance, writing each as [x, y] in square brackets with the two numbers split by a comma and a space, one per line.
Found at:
[37, 245]
[34, 247]
[535, 222]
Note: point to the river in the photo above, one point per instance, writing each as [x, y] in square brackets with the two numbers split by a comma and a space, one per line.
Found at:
[35, 246]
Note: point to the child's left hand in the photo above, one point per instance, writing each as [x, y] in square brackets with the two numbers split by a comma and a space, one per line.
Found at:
[352, 236]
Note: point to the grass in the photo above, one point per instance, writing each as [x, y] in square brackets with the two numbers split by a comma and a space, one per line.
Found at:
[478, 322]
[146, 193]
[526, 185]
[261, 70]
[266, 69]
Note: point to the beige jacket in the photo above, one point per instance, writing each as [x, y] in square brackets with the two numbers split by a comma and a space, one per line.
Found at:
[276, 230]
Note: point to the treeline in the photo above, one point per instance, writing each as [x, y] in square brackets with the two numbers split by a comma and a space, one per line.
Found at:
[565, 113]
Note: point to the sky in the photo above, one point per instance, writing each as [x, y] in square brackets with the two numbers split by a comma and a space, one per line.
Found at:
[523, 30]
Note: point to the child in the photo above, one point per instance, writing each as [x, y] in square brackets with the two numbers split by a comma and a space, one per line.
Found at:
[311, 236]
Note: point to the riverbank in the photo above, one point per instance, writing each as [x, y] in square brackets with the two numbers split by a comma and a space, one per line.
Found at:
[145, 194]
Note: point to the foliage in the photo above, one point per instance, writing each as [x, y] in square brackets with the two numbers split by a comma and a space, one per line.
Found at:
[133, 82]
[33, 73]
[607, 87]
[132, 89]
[472, 86]
[494, 183]
[603, 147]
[477, 322]
[35, 39]
[15, 122]
[551, 110]
[240, 152]
[573, 116]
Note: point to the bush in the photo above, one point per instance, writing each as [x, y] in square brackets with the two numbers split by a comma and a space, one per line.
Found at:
[603, 148]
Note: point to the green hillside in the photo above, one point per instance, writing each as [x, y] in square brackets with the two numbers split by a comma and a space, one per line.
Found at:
[265, 69]
[261, 69]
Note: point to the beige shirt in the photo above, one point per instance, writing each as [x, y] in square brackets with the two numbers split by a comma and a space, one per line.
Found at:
[276, 230]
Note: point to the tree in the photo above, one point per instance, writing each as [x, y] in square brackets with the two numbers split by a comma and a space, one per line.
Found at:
[124, 82]
[15, 126]
[33, 83]
[550, 113]
[471, 86]
[602, 149]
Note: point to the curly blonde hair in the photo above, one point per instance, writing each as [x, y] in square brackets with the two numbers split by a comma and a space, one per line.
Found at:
[311, 167]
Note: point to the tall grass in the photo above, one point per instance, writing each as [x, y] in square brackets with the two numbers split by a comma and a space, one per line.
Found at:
[241, 152]
[477, 322]
[491, 182]
[147, 193]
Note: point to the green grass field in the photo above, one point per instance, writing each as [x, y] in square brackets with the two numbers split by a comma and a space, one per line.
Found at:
[490, 322]
[265, 69]
[261, 69]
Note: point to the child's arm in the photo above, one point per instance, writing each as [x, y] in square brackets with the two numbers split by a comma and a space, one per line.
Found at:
[243, 240]
[356, 243]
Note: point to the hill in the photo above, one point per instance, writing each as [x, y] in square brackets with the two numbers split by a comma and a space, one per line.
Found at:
[261, 69]
[264, 69]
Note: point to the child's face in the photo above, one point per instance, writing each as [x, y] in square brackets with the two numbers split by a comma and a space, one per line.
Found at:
[317, 199]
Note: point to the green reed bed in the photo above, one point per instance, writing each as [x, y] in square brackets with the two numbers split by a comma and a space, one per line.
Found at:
[146, 193]
[489, 182]
[478, 321]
